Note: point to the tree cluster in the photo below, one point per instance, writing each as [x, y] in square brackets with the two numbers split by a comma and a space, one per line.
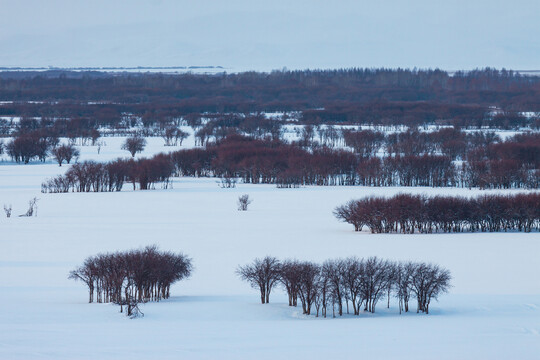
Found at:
[140, 275]
[335, 284]
[91, 176]
[219, 126]
[408, 214]
[173, 136]
[30, 146]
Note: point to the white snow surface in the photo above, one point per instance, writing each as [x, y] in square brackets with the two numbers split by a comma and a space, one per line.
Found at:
[492, 311]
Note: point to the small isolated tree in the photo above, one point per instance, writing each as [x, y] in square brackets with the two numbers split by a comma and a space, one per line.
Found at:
[262, 274]
[65, 153]
[243, 202]
[135, 144]
[32, 208]
[7, 209]
[58, 154]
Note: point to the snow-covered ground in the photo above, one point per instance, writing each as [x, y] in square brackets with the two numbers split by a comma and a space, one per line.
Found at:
[492, 312]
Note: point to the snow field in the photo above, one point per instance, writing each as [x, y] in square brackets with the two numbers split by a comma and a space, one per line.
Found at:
[492, 312]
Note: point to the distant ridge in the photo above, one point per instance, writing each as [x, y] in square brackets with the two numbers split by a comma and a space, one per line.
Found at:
[200, 69]
[169, 69]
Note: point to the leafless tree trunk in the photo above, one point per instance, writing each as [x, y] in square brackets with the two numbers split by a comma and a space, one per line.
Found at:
[262, 274]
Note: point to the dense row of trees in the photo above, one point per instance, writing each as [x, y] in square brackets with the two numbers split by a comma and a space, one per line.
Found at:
[360, 96]
[409, 158]
[407, 213]
[140, 275]
[338, 283]
[511, 164]
[91, 176]
[289, 165]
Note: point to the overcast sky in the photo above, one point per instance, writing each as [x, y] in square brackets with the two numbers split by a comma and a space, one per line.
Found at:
[271, 34]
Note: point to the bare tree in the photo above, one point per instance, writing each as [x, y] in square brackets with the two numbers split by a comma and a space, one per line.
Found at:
[32, 208]
[391, 281]
[351, 214]
[333, 270]
[375, 281]
[289, 278]
[262, 274]
[135, 144]
[308, 284]
[243, 202]
[323, 294]
[65, 153]
[351, 275]
[8, 209]
[404, 276]
[428, 282]
[87, 273]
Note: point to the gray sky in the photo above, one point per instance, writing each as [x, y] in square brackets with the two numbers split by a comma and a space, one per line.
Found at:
[271, 34]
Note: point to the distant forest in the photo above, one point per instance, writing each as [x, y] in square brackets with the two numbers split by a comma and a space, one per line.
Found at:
[487, 97]
[236, 138]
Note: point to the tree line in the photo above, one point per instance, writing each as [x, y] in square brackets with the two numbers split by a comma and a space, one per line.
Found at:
[407, 214]
[511, 164]
[135, 275]
[515, 164]
[91, 176]
[353, 96]
[335, 284]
